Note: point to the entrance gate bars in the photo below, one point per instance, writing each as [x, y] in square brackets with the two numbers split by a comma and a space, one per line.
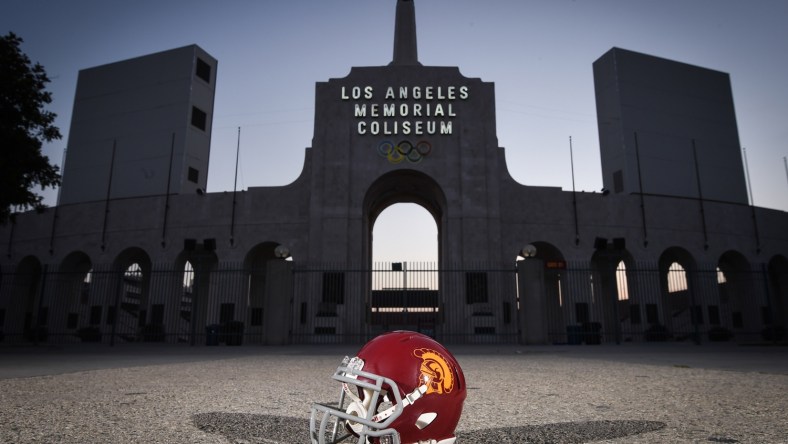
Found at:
[454, 304]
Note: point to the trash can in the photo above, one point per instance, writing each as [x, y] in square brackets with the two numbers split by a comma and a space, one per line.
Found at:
[234, 333]
[212, 335]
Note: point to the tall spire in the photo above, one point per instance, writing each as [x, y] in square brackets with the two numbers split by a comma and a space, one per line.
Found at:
[405, 52]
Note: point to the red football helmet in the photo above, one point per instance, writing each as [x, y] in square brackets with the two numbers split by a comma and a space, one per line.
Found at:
[401, 388]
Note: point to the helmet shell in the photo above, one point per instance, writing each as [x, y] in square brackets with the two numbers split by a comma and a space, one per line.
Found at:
[411, 360]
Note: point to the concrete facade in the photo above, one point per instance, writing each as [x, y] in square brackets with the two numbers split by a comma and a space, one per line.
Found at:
[139, 124]
[667, 128]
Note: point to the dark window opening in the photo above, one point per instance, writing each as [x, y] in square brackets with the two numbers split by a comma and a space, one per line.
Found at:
[475, 287]
[203, 70]
[334, 287]
[194, 175]
[199, 118]
[110, 320]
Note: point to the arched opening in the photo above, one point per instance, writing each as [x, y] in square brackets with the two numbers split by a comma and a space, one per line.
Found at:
[405, 232]
[680, 308]
[198, 263]
[403, 224]
[131, 312]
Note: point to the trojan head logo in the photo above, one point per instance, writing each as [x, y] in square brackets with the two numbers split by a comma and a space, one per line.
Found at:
[436, 373]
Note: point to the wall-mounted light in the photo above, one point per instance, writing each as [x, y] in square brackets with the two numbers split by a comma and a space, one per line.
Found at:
[281, 252]
[528, 251]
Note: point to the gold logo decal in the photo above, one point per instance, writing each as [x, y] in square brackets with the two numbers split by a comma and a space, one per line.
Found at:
[436, 373]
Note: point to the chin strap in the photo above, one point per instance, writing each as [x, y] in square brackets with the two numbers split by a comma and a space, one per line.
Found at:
[409, 399]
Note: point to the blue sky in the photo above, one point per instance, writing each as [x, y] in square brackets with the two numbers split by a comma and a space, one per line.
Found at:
[538, 54]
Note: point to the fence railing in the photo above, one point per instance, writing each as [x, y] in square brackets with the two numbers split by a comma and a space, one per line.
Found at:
[233, 305]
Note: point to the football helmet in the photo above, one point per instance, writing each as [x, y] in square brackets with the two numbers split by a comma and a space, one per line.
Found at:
[402, 387]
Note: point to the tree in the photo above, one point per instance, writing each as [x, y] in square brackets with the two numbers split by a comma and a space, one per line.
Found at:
[24, 126]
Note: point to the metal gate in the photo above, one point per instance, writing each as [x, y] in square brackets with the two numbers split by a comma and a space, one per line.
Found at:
[337, 304]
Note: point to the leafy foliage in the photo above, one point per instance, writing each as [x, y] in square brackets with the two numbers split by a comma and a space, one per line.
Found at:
[24, 126]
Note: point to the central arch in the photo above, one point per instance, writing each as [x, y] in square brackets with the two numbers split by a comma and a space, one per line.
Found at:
[403, 186]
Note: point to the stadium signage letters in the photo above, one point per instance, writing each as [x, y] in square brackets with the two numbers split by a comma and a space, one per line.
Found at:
[405, 110]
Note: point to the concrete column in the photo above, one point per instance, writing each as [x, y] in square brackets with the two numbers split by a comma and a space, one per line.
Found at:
[277, 306]
[533, 313]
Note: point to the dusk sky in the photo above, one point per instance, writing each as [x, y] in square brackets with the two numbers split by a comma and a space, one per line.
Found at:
[539, 54]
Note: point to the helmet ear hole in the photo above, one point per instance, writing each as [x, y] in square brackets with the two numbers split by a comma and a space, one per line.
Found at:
[425, 419]
[355, 409]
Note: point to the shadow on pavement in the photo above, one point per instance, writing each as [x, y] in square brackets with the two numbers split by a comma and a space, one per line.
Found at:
[252, 428]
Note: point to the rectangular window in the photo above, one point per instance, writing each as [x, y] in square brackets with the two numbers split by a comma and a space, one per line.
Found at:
[203, 70]
[334, 287]
[475, 287]
[199, 118]
[110, 320]
[194, 175]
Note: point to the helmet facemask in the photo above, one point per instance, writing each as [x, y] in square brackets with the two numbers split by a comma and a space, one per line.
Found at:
[365, 409]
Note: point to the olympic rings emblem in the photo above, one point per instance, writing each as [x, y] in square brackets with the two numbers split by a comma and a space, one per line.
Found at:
[404, 150]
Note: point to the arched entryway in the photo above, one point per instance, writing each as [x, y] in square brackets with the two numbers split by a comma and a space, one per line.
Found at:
[404, 291]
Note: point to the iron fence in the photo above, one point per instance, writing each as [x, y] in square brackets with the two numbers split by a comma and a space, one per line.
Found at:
[646, 304]
[220, 303]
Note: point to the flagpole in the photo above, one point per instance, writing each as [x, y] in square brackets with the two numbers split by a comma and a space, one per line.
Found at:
[235, 187]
